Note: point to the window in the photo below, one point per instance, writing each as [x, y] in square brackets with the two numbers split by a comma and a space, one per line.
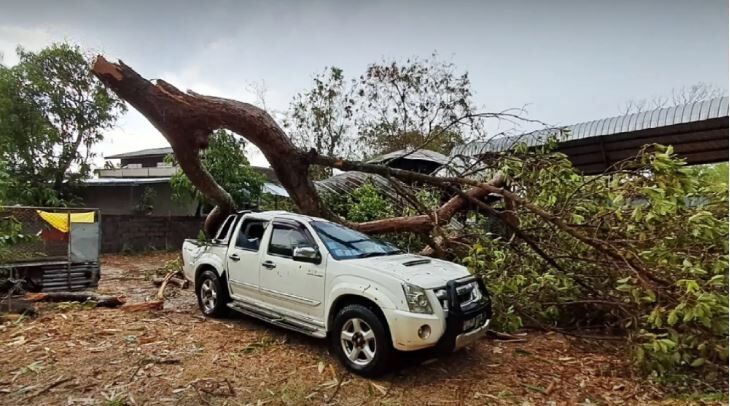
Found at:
[224, 231]
[249, 237]
[284, 238]
[344, 243]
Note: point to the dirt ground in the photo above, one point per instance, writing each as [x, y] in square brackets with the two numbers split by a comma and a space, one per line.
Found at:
[72, 354]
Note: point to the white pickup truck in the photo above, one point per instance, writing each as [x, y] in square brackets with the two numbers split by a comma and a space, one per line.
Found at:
[326, 280]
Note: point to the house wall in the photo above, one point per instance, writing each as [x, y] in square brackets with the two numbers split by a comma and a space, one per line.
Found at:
[147, 161]
[116, 199]
[125, 233]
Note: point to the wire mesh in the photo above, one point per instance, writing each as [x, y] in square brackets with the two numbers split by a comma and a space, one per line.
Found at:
[27, 237]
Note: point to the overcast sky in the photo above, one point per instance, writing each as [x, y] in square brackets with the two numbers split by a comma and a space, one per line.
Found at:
[568, 61]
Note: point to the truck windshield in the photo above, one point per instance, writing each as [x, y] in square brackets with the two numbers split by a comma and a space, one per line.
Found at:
[344, 243]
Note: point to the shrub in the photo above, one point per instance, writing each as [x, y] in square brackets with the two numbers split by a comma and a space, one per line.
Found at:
[653, 265]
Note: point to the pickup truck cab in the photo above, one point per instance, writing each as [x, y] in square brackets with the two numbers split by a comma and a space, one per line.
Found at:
[325, 280]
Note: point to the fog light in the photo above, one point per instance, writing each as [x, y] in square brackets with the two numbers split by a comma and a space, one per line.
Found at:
[424, 331]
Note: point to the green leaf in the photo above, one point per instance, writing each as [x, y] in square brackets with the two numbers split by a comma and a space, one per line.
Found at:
[697, 362]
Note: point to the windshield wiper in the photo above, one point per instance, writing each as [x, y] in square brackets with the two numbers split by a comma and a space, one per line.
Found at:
[370, 254]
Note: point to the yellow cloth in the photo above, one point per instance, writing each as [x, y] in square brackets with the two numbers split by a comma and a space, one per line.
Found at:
[59, 221]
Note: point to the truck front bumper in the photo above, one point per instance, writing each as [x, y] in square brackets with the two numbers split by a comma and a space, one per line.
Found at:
[404, 328]
[448, 330]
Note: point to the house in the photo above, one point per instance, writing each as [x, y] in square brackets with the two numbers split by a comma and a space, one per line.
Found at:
[140, 184]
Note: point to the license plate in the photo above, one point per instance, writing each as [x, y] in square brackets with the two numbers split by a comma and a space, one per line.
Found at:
[474, 322]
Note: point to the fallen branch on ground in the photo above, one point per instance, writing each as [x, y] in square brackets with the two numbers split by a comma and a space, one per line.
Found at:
[17, 305]
[163, 284]
[100, 300]
[159, 300]
[180, 283]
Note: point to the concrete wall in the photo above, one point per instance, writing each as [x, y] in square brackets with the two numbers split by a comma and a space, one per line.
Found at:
[115, 199]
[133, 233]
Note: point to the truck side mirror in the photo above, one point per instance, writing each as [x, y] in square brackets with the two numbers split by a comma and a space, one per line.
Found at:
[307, 254]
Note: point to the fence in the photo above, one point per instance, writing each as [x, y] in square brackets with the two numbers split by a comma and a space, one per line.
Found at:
[134, 233]
[50, 248]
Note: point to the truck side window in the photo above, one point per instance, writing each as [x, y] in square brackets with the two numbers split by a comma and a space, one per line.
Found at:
[223, 232]
[285, 238]
[249, 237]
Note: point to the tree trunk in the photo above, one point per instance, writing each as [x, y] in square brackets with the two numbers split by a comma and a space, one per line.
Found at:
[187, 119]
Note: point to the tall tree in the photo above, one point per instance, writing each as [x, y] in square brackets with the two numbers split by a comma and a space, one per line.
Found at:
[419, 103]
[52, 112]
[422, 103]
[321, 118]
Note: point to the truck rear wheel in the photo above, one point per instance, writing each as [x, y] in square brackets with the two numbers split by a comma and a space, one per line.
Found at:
[212, 294]
[360, 340]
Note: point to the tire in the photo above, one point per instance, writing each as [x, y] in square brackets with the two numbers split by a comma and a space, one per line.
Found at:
[212, 295]
[361, 341]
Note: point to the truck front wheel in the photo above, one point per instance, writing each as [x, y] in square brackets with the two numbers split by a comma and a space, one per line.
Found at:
[360, 340]
[212, 295]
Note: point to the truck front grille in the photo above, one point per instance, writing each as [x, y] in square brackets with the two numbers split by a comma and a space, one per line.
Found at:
[466, 293]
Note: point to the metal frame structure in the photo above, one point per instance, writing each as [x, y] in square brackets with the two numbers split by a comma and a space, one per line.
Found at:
[698, 132]
[49, 259]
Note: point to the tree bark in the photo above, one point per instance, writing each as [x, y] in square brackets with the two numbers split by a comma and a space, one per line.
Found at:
[100, 300]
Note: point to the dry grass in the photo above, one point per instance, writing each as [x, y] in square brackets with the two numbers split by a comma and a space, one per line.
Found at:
[76, 355]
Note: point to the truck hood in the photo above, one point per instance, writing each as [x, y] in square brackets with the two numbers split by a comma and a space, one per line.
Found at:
[418, 270]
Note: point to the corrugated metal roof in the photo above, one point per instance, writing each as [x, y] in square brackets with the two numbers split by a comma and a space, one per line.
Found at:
[346, 182]
[418, 155]
[661, 117]
[142, 152]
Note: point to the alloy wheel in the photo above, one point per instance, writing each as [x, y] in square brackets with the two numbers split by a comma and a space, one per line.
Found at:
[208, 295]
[358, 341]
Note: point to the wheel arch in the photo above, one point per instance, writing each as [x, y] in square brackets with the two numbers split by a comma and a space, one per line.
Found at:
[209, 267]
[350, 298]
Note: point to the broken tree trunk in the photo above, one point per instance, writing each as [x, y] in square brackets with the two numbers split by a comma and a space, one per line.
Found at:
[100, 300]
[186, 120]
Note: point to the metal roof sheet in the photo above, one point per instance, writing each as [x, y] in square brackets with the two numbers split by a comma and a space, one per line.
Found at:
[346, 182]
[661, 117]
[274, 189]
[417, 155]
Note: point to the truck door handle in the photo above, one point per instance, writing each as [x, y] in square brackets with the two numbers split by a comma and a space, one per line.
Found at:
[234, 257]
[268, 265]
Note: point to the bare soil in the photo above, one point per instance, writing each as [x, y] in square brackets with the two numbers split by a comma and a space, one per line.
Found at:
[74, 354]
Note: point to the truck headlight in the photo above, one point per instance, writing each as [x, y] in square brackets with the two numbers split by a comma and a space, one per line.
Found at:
[417, 299]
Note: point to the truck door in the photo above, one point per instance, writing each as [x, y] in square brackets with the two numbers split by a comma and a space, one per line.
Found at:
[243, 258]
[294, 286]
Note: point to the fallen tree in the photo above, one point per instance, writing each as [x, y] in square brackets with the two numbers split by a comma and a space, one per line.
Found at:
[586, 252]
[186, 120]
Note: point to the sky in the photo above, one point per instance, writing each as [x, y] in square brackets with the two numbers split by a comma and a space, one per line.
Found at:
[566, 61]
